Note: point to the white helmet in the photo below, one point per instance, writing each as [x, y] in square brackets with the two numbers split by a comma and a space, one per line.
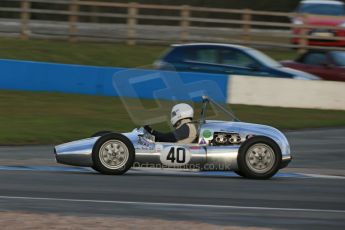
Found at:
[181, 111]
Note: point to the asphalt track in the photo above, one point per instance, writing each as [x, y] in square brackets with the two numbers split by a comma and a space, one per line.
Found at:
[310, 193]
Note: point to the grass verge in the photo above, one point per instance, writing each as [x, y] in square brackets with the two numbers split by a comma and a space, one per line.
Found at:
[91, 53]
[49, 118]
[84, 53]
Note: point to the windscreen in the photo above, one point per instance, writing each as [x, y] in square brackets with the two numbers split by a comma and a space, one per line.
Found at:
[339, 58]
[217, 111]
[322, 9]
[263, 58]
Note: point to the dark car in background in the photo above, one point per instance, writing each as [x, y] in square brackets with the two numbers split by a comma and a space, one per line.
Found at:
[321, 13]
[225, 59]
[329, 65]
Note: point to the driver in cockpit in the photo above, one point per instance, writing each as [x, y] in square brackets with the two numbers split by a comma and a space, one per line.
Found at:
[182, 120]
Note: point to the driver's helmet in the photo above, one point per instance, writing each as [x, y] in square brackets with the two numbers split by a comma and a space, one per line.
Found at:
[181, 111]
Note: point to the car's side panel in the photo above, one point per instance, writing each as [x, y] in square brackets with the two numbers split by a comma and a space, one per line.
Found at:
[191, 156]
[222, 158]
[207, 130]
[171, 155]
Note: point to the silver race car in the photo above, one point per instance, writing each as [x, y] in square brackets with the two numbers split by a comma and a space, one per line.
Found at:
[251, 150]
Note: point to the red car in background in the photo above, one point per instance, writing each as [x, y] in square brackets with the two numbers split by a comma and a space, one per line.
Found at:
[328, 65]
[321, 13]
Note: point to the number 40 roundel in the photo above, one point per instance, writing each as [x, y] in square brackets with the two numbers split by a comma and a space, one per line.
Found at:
[175, 156]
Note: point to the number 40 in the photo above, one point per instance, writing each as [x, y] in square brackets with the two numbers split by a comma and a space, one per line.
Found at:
[180, 155]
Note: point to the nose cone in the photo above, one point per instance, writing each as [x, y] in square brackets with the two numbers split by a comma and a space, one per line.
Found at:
[77, 153]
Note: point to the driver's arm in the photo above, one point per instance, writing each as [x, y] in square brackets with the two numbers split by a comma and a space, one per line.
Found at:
[179, 134]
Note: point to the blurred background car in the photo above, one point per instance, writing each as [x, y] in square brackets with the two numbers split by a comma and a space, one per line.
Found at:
[321, 13]
[225, 59]
[329, 65]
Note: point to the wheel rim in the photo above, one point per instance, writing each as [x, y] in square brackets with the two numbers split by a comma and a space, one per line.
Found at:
[260, 158]
[113, 154]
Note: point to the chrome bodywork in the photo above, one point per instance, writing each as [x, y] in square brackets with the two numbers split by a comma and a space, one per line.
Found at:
[206, 154]
[77, 153]
[200, 155]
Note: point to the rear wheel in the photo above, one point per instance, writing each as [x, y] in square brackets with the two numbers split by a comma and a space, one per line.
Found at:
[113, 154]
[259, 158]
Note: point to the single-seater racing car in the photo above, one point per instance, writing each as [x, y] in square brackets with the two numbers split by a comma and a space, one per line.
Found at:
[251, 150]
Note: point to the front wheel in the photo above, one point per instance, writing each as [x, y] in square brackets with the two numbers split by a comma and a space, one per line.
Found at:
[259, 158]
[113, 154]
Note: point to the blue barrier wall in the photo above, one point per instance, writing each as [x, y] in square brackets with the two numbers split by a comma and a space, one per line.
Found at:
[108, 81]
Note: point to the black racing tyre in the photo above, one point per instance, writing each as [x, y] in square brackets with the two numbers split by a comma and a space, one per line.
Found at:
[100, 133]
[113, 154]
[259, 158]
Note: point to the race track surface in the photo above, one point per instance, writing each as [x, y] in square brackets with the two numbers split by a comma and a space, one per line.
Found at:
[310, 193]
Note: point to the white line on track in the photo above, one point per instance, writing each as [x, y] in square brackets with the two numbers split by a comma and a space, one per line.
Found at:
[171, 204]
[162, 172]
